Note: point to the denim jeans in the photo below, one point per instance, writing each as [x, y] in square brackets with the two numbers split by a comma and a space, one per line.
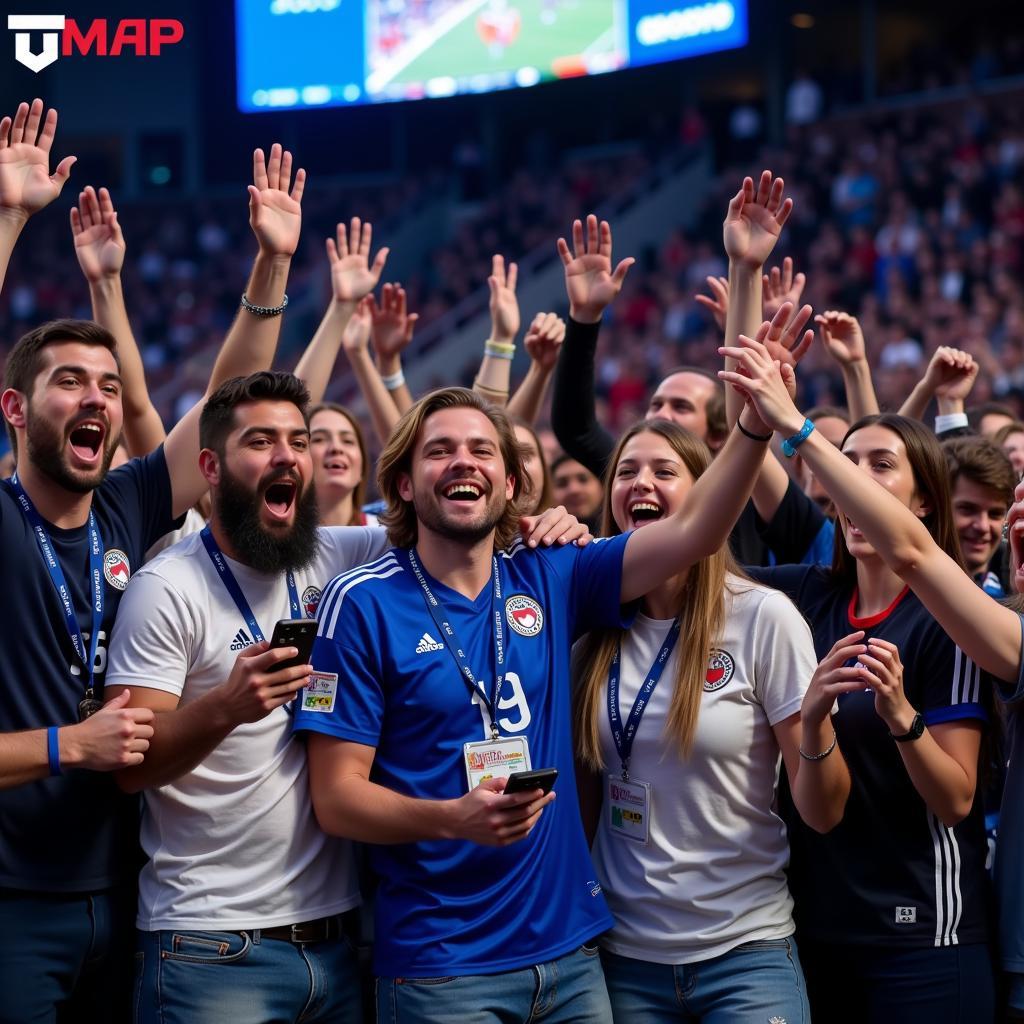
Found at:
[66, 957]
[196, 977]
[751, 984]
[854, 984]
[569, 990]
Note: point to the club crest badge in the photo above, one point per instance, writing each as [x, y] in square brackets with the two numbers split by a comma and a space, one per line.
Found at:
[311, 601]
[116, 568]
[720, 670]
[524, 615]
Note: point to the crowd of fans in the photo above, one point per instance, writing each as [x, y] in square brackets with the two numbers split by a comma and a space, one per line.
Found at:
[828, 619]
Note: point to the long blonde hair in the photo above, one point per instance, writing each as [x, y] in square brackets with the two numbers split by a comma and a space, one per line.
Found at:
[701, 608]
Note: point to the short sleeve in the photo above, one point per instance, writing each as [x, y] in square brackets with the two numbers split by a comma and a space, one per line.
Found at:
[153, 637]
[141, 491]
[949, 685]
[792, 531]
[784, 656]
[592, 578]
[353, 545]
[346, 696]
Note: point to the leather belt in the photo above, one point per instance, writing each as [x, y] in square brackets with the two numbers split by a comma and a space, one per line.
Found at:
[321, 930]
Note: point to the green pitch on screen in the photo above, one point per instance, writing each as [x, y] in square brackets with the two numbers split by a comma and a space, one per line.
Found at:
[578, 25]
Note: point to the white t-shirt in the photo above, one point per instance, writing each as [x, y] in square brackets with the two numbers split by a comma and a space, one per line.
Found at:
[711, 876]
[193, 523]
[234, 843]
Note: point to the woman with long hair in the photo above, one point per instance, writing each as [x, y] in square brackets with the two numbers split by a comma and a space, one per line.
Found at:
[689, 850]
[340, 465]
[536, 496]
[893, 901]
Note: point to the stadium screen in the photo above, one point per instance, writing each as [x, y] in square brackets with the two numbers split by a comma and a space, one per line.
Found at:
[321, 53]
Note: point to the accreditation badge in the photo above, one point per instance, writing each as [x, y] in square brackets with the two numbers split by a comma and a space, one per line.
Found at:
[495, 759]
[628, 807]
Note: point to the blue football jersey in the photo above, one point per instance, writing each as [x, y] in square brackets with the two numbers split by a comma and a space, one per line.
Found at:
[452, 907]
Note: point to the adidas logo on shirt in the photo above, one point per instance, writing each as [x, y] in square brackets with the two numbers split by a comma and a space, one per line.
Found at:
[241, 641]
[428, 643]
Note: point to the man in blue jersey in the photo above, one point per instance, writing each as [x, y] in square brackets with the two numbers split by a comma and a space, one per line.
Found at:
[72, 534]
[444, 665]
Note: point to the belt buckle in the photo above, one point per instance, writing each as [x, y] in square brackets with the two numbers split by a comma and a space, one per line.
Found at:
[311, 931]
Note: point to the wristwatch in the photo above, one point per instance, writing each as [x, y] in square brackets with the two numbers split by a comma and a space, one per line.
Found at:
[915, 732]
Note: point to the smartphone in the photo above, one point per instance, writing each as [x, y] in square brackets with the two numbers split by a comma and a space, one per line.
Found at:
[298, 633]
[525, 782]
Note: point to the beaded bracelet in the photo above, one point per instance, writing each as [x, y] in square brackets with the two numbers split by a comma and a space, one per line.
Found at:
[820, 757]
[263, 310]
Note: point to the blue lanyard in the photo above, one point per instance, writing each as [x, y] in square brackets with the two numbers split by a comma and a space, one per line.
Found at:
[451, 641]
[96, 552]
[220, 563]
[624, 737]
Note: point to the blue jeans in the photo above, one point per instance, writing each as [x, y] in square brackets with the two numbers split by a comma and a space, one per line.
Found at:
[66, 957]
[569, 990]
[195, 977]
[751, 984]
[851, 984]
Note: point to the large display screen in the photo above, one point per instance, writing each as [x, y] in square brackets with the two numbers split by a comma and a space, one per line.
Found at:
[322, 53]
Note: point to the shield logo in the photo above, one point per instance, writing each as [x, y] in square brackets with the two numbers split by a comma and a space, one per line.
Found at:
[311, 601]
[524, 615]
[116, 568]
[720, 671]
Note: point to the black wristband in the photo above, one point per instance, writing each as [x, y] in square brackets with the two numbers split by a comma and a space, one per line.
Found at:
[752, 436]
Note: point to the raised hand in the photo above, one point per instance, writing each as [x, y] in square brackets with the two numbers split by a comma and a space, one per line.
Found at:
[275, 213]
[544, 339]
[754, 220]
[717, 303]
[392, 325]
[589, 280]
[842, 337]
[26, 185]
[352, 276]
[781, 336]
[99, 244]
[779, 286]
[765, 384]
[951, 373]
[504, 305]
[356, 336]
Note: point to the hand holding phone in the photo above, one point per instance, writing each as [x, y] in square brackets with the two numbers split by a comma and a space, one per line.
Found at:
[298, 633]
[525, 782]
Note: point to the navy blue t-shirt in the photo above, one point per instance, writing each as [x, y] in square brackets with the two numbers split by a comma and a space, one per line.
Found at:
[890, 873]
[452, 906]
[76, 832]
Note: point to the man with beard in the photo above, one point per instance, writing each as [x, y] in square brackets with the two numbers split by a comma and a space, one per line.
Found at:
[71, 535]
[443, 667]
[242, 904]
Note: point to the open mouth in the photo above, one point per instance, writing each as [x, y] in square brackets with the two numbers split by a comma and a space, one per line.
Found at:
[336, 465]
[463, 491]
[87, 440]
[279, 497]
[644, 512]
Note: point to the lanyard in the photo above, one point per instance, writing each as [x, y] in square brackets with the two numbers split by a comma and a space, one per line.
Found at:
[624, 736]
[451, 641]
[231, 585]
[35, 520]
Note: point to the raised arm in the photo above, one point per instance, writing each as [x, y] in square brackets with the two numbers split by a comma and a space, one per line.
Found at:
[275, 216]
[591, 285]
[987, 632]
[950, 375]
[393, 325]
[352, 279]
[356, 340]
[100, 248]
[26, 185]
[543, 342]
[492, 380]
[703, 523]
[844, 341]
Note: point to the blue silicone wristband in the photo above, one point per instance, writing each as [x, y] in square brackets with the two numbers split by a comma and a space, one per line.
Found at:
[53, 750]
[790, 445]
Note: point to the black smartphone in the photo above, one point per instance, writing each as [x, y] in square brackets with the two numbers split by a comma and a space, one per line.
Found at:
[298, 633]
[525, 782]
